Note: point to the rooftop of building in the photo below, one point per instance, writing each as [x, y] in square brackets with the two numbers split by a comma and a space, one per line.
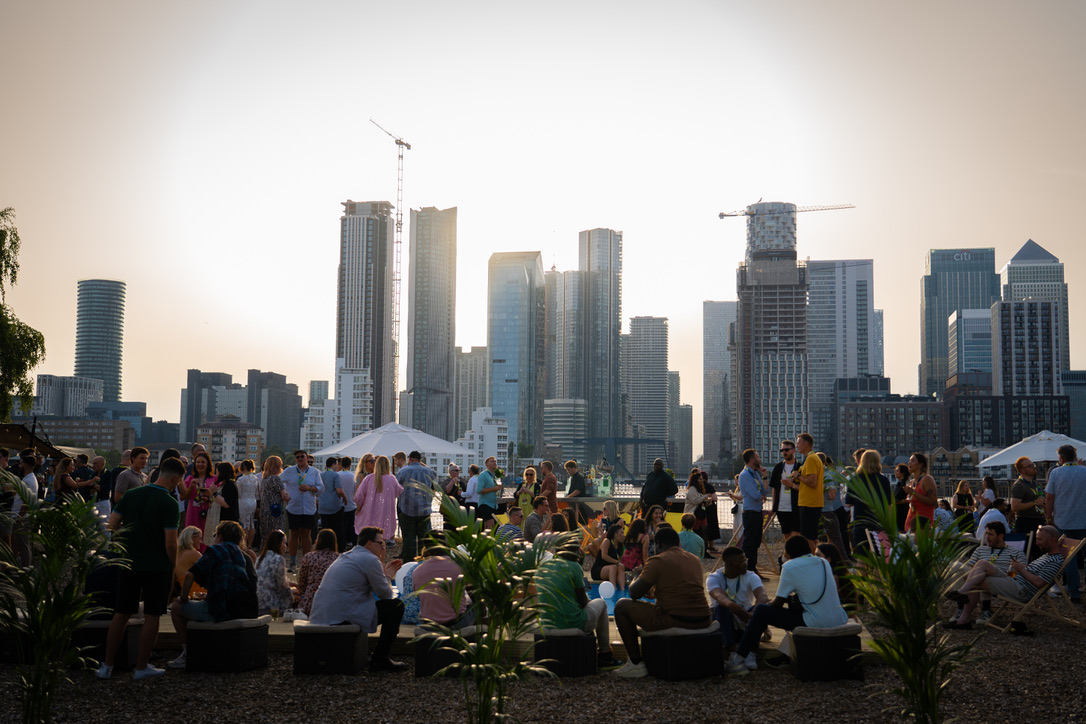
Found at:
[1033, 253]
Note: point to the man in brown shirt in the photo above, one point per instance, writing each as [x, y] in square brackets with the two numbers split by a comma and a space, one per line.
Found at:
[548, 488]
[133, 477]
[677, 579]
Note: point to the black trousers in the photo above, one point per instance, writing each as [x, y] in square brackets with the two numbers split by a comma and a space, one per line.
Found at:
[389, 615]
[752, 536]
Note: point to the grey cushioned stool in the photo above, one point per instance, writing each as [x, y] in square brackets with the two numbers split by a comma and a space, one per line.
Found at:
[567, 652]
[92, 634]
[237, 645]
[430, 658]
[674, 654]
[828, 654]
[339, 649]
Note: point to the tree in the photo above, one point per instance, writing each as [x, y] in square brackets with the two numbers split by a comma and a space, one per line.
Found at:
[22, 348]
[274, 450]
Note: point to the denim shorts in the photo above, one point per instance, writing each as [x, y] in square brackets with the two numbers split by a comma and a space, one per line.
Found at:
[196, 611]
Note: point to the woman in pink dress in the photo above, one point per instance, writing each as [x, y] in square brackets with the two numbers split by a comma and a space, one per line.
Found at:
[196, 502]
[375, 496]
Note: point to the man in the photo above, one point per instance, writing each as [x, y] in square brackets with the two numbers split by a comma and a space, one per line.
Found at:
[511, 530]
[537, 520]
[999, 511]
[398, 461]
[577, 489]
[415, 504]
[548, 487]
[332, 500]
[346, 535]
[230, 579]
[346, 595]
[1065, 507]
[785, 492]
[105, 486]
[115, 473]
[811, 579]
[560, 582]
[487, 489]
[676, 577]
[149, 516]
[753, 490]
[658, 487]
[1027, 498]
[810, 486]
[84, 476]
[303, 484]
[1028, 579]
[996, 551]
[690, 541]
[734, 592]
[28, 490]
[133, 476]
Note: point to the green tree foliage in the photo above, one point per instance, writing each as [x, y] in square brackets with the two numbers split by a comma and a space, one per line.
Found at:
[22, 348]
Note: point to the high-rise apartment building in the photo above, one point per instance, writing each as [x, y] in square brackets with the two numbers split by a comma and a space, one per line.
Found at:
[600, 261]
[58, 396]
[1034, 273]
[318, 392]
[99, 334]
[471, 387]
[515, 337]
[1027, 348]
[969, 341]
[564, 422]
[645, 352]
[684, 437]
[565, 333]
[198, 400]
[1074, 386]
[769, 348]
[274, 405]
[365, 304]
[880, 356]
[841, 336]
[674, 388]
[955, 279]
[431, 351]
[716, 358]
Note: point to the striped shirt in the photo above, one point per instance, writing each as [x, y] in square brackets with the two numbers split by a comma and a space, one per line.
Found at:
[1000, 557]
[1047, 567]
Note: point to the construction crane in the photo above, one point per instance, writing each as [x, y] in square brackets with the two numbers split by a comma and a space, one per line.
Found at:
[401, 145]
[767, 212]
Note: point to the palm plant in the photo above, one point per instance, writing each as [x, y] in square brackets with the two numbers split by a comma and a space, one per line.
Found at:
[903, 585]
[42, 605]
[500, 575]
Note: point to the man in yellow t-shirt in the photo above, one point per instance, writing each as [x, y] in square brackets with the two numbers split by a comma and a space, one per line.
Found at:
[809, 480]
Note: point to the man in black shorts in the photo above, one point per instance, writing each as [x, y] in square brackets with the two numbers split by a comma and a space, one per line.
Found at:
[145, 521]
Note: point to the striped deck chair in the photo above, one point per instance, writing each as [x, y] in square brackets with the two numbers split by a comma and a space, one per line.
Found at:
[1041, 602]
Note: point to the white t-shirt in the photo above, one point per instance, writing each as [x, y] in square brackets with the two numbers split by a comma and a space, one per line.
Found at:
[986, 499]
[784, 501]
[741, 589]
[991, 515]
[346, 481]
[812, 579]
[470, 494]
[31, 484]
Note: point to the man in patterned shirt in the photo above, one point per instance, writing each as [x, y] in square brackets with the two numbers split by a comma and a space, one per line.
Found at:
[1024, 584]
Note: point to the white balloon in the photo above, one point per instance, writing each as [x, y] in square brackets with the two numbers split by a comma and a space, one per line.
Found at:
[404, 569]
[607, 589]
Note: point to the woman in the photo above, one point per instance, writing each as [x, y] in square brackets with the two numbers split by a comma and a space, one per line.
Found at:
[272, 496]
[527, 491]
[375, 496]
[695, 502]
[558, 523]
[610, 516]
[901, 497]
[963, 506]
[711, 531]
[195, 491]
[653, 518]
[608, 564]
[190, 546]
[64, 487]
[987, 496]
[314, 565]
[922, 495]
[869, 480]
[248, 498]
[944, 517]
[224, 503]
[636, 549]
[273, 591]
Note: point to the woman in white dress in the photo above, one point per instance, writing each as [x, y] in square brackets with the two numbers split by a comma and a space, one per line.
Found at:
[248, 489]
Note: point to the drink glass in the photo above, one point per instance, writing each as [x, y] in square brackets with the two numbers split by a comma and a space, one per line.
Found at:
[275, 613]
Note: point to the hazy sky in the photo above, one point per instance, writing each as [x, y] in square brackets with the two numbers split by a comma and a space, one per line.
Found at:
[199, 151]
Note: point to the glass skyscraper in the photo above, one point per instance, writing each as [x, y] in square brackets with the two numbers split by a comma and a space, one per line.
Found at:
[1033, 273]
[600, 254]
[717, 318]
[99, 334]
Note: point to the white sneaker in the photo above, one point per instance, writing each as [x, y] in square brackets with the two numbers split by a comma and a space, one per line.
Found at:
[147, 672]
[179, 662]
[104, 672]
[630, 670]
[1054, 591]
[751, 662]
[736, 666]
[984, 617]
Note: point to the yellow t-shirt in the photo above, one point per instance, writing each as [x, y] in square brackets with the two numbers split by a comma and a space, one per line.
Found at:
[811, 497]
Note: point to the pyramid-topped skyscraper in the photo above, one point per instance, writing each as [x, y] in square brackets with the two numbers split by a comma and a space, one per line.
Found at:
[1034, 273]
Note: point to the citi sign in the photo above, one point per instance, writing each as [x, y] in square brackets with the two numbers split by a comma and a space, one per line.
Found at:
[963, 256]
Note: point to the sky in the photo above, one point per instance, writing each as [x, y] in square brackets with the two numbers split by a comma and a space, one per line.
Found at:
[200, 151]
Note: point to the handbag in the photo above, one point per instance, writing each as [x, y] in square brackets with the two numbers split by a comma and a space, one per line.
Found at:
[276, 509]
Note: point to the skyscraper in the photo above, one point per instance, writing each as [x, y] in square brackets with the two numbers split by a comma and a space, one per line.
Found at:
[969, 336]
[645, 376]
[431, 363]
[955, 279]
[565, 351]
[198, 402]
[769, 353]
[99, 334]
[841, 337]
[364, 305]
[1027, 348]
[1033, 273]
[275, 406]
[600, 262]
[471, 387]
[880, 357]
[515, 336]
[717, 318]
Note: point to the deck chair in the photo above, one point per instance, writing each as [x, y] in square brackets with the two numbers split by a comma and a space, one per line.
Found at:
[1041, 602]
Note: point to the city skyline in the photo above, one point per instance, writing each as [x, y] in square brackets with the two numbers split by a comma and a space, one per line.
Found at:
[197, 133]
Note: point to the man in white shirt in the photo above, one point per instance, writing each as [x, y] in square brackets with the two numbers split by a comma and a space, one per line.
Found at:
[346, 595]
[735, 592]
[347, 536]
[811, 579]
[999, 510]
[783, 503]
[28, 490]
[303, 484]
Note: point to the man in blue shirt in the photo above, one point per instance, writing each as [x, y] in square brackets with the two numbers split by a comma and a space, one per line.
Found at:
[303, 484]
[488, 489]
[331, 502]
[753, 489]
[415, 504]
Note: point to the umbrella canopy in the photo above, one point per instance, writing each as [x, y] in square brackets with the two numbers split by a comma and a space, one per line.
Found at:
[393, 437]
[1040, 448]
